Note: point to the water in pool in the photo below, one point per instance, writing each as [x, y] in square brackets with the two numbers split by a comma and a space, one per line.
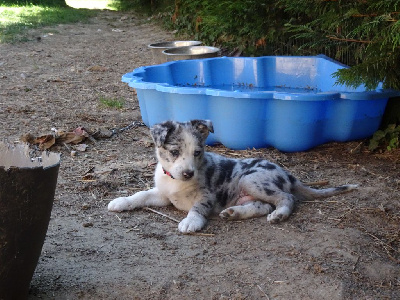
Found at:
[246, 88]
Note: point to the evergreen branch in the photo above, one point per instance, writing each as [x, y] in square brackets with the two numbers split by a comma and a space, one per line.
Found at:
[375, 15]
[347, 40]
[362, 15]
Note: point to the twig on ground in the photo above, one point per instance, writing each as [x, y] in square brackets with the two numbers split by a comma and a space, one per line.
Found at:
[320, 201]
[283, 229]
[356, 263]
[177, 221]
[265, 294]
[323, 182]
[68, 147]
[382, 242]
[385, 246]
[199, 234]
[161, 214]
[356, 148]
[392, 258]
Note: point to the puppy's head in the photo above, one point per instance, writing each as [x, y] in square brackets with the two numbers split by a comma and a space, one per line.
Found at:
[180, 146]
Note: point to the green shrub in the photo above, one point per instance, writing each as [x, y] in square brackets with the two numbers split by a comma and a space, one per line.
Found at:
[362, 34]
[250, 26]
[388, 138]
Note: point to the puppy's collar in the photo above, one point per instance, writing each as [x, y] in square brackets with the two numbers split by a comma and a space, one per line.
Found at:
[167, 173]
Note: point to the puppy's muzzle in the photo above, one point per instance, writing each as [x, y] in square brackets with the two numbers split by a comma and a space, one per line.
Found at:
[187, 174]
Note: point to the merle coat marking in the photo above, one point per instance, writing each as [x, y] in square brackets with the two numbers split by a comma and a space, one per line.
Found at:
[204, 183]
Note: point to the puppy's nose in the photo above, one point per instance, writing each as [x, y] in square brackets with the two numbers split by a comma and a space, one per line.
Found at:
[187, 174]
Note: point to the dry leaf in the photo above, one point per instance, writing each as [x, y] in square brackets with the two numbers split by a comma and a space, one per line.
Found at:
[318, 268]
[102, 133]
[27, 138]
[81, 131]
[97, 69]
[45, 141]
[147, 142]
[55, 80]
[81, 147]
[70, 137]
[75, 137]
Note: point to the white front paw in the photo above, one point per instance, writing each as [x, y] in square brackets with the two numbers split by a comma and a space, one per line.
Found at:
[192, 223]
[119, 204]
[279, 215]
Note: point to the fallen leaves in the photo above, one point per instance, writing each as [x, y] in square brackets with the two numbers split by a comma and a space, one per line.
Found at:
[97, 69]
[74, 137]
[58, 137]
[45, 142]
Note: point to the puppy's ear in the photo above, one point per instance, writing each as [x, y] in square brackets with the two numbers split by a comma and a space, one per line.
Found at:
[203, 126]
[160, 132]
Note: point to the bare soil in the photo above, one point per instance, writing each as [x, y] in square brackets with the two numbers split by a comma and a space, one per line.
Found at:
[346, 247]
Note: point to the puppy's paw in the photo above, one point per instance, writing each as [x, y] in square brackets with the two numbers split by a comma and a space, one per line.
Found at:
[119, 204]
[278, 215]
[192, 223]
[229, 214]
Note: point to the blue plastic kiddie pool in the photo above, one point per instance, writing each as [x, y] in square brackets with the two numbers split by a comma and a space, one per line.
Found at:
[288, 102]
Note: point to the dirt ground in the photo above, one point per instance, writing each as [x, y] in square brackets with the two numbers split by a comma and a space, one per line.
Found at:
[346, 247]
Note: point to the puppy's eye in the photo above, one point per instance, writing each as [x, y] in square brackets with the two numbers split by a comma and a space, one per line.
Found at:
[197, 153]
[174, 152]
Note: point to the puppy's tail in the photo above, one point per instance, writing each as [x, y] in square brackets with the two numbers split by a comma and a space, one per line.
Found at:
[304, 192]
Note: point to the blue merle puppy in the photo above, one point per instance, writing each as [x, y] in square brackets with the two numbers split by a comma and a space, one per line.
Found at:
[204, 183]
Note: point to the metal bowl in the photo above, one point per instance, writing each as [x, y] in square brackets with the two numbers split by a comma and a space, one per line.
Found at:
[191, 52]
[158, 48]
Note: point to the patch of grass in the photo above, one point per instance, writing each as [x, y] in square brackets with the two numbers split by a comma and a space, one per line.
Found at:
[117, 103]
[60, 3]
[15, 20]
[94, 4]
[141, 6]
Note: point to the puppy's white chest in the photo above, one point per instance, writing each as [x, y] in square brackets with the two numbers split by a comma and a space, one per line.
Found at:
[183, 195]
